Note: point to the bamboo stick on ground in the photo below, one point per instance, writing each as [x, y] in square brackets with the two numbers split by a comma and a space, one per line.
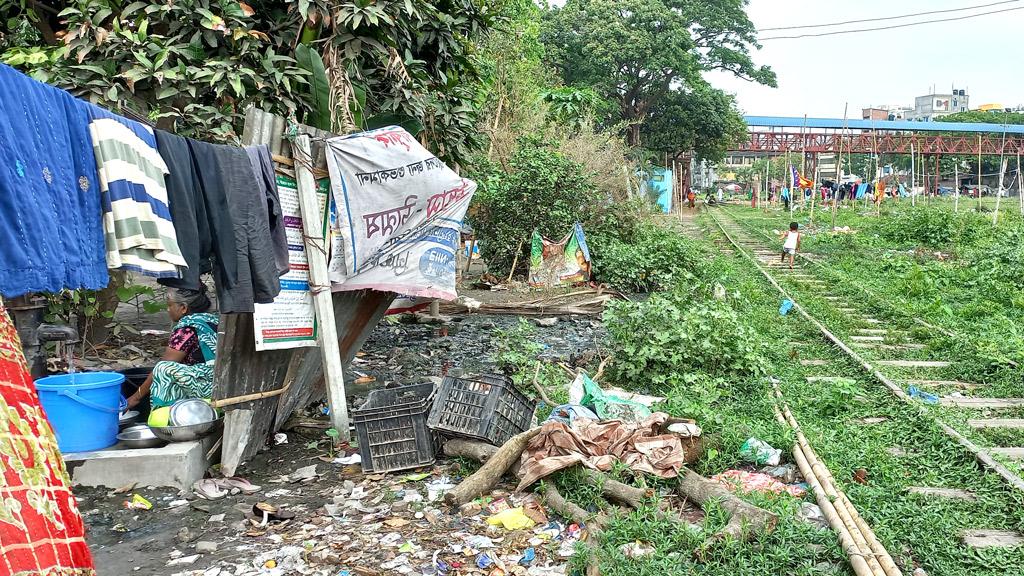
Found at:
[842, 504]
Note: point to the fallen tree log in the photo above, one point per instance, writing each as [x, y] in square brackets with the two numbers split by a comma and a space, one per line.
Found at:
[472, 449]
[566, 509]
[484, 479]
[745, 520]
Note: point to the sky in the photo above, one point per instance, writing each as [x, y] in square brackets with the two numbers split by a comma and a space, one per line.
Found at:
[818, 76]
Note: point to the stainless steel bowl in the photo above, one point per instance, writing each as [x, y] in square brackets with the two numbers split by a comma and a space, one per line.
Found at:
[140, 436]
[191, 411]
[127, 418]
[185, 433]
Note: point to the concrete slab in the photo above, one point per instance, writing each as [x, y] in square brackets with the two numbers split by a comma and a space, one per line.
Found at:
[961, 402]
[871, 331]
[814, 362]
[952, 493]
[943, 383]
[846, 310]
[871, 420]
[1015, 453]
[829, 379]
[867, 338]
[877, 346]
[1010, 423]
[871, 320]
[178, 465]
[913, 363]
[992, 538]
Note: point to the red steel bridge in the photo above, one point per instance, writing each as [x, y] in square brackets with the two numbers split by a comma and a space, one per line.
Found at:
[772, 135]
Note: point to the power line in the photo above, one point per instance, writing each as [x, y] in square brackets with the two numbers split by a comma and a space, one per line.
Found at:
[889, 17]
[837, 32]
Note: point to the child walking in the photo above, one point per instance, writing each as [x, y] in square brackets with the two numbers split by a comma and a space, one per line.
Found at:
[792, 243]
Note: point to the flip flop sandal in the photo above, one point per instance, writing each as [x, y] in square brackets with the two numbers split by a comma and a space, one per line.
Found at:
[270, 513]
[207, 489]
[237, 483]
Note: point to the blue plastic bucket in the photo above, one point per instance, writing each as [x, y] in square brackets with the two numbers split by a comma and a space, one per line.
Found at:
[82, 408]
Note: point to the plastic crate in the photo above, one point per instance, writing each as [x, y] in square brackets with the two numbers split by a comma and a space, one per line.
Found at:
[391, 428]
[488, 408]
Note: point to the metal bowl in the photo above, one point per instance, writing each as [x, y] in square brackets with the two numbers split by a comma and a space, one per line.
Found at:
[185, 433]
[191, 411]
[140, 436]
[127, 418]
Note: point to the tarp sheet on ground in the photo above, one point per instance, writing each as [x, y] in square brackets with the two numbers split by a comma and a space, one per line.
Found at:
[399, 213]
[556, 263]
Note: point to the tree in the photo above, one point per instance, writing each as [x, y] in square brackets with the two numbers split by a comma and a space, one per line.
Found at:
[634, 52]
[195, 66]
[703, 120]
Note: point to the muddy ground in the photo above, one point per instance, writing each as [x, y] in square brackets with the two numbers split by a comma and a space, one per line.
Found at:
[356, 533]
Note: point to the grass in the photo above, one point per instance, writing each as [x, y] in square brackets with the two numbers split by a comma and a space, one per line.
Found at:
[918, 532]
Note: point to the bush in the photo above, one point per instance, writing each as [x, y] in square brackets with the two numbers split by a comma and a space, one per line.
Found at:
[935, 228]
[671, 338]
[653, 258]
[540, 189]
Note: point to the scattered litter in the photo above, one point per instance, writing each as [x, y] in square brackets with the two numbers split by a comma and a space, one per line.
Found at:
[685, 429]
[184, 560]
[280, 438]
[437, 488]
[860, 476]
[206, 547]
[757, 482]
[477, 542]
[390, 540]
[138, 503]
[176, 504]
[415, 477]
[636, 550]
[303, 474]
[926, 397]
[216, 518]
[546, 322]
[349, 460]
[785, 307]
[811, 514]
[785, 473]
[483, 560]
[511, 519]
[529, 555]
[760, 452]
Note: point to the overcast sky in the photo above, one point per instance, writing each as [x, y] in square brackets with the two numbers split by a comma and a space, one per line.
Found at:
[818, 75]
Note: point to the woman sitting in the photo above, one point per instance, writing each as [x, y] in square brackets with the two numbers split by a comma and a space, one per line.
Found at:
[186, 369]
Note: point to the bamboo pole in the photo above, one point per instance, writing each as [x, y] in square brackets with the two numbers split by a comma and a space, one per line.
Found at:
[979, 170]
[913, 191]
[1020, 185]
[956, 197]
[1002, 171]
[853, 552]
[839, 166]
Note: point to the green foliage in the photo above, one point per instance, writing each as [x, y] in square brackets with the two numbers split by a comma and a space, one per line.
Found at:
[702, 119]
[309, 60]
[636, 52]
[541, 190]
[673, 338]
[649, 259]
[927, 226]
[516, 349]
[570, 106]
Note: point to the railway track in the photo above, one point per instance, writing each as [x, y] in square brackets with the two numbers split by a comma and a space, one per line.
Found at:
[881, 345]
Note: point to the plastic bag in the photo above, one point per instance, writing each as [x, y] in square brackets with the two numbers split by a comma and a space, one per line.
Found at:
[760, 452]
[606, 406]
[785, 307]
[511, 519]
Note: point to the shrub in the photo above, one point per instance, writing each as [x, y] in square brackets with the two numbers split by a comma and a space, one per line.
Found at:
[670, 338]
[654, 258]
[935, 228]
[540, 189]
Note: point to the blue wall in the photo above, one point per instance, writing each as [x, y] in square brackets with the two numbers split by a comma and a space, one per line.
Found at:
[660, 186]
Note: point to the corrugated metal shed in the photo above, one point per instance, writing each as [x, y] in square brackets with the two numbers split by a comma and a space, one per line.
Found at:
[893, 125]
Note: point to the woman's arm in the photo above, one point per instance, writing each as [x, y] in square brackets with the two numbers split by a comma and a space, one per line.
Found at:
[171, 355]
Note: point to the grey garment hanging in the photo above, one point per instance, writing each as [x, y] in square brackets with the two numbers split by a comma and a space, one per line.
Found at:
[258, 280]
[263, 166]
[199, 211]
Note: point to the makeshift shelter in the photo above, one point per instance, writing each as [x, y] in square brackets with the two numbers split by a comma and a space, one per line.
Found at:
[566, 261]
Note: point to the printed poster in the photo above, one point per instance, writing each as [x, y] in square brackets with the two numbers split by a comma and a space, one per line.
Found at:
[290, 321]
[399, 215]
[556, 263]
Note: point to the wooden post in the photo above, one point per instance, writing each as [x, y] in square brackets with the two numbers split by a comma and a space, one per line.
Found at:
[320, 286]
[979, 170]
[956, 185]
[913, 196]
[1020, 184]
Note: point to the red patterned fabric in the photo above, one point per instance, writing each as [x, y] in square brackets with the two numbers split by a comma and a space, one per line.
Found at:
[41, 531]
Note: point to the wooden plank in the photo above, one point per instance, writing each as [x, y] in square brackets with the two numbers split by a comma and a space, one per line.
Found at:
[913, 363]
[320, 285]
[952, 493]
[867, 338]
[1010, 423]
[961, 402]
[1015, 453]
[992, 538]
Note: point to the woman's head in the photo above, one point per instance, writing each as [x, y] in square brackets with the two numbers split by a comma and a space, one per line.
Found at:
[184, 301]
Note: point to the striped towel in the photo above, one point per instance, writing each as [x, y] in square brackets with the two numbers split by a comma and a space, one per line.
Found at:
[137, 223]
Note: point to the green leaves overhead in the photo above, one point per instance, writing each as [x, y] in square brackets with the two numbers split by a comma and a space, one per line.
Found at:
[319, 86]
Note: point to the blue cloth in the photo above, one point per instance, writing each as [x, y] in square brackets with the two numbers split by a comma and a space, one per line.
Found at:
[861, 190]
[51, 236]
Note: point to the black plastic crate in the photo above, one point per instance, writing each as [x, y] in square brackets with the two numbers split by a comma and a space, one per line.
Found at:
[391, 428]
[488, 408]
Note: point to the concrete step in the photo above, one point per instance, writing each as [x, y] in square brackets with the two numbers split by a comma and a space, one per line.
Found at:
[960, 402]
[913, 363]
[894, 347]
[943, 383]
[871, 331]
[827, 379]
[178, 464]
[867, 338]
[815, 362]
[870, 320]
[1015, 453]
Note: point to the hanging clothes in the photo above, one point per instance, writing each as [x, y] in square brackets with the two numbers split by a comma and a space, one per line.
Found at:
[202, 219]
[263, 165]
[140, 236]
[227, 171]
[50, 232]
[41, 530]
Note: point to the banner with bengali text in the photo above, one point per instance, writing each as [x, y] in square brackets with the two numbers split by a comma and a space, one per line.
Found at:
[399, 214]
